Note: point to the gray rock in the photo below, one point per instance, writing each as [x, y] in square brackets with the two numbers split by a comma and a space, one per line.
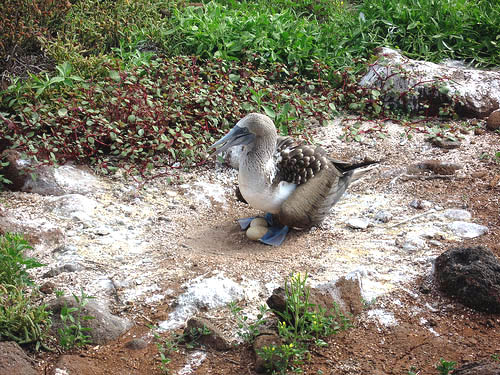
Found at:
[457, 214]
[47, 180]
[413, 241]
[445, 143]
[103, 327]
[472, 275]
[13, 361]
[358, 223]
[383, 216]
[136, 344]
[420, 204]
[465, 229]
[73, 206]
[434, 166]
[67, 267]
[478, 368]
[395, 74]
[215, 339]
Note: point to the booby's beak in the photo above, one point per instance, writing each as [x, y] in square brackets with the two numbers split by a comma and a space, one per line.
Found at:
[237, 136]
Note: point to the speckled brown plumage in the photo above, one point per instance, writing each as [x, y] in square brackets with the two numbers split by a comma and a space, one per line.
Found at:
[299, 163]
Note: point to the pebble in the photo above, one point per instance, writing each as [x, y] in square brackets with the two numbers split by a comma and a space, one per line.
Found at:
[420, 204]
[457, 214]
[255, 233]
[358, 223]
[383, 216]
[412, 242]
[465, 229]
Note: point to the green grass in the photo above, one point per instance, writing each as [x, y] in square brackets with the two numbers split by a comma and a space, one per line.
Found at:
[114, 98]
[22, 318]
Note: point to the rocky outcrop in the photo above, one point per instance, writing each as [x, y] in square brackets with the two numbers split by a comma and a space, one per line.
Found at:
[472, 275]
[412, 84]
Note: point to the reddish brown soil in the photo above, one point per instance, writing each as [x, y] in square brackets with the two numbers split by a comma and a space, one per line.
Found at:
[430, 325]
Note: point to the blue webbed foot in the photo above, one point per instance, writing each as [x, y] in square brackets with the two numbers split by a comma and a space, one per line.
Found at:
[245, 222]
[275, 235]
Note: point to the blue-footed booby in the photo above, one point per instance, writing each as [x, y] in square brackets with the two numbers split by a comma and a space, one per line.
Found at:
[295, 184]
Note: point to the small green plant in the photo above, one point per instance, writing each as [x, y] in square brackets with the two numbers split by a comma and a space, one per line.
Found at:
[21, 319]
[13, 263]
[248, 331]
[413, 371]
[165, 346]
[3, 180]
[445, 367]
[301, 324]
[279, 359]
[495, 357]
[192, 337]
[73, 333]
[63, 78]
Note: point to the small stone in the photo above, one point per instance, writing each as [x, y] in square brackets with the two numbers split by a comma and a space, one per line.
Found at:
[457, 214]
[465, 229]
[136, 344]
[447, 144]
[412, 242]
[493, 122]
[420, 204]
[255, 233]
[358, 223]
[259, 222]
[383, 216]
[434, 166]
[47, 287]
[478, 368]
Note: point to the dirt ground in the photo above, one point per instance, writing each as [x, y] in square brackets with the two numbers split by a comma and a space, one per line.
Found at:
[429, 325]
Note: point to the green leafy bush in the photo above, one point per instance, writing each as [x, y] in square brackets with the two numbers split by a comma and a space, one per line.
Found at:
[263, 34]
[13, 262]
[160, 114]
[24, 21]
[22, 320]
[435, 29]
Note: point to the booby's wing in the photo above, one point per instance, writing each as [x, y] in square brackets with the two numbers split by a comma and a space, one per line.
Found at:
[320, 180]
[297, 163]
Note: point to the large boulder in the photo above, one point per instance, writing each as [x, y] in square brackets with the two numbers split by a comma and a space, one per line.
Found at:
[47, 180]
[14, 361]
[104, 326]
[472, 275]
[411, 83]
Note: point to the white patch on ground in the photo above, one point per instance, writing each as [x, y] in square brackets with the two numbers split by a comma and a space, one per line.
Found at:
[206, 293]
[383, 317]
[195, 360]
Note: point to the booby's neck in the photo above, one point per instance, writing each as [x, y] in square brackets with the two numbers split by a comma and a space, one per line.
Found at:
[257, 176]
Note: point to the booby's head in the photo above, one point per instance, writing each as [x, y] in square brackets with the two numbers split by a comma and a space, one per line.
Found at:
[251, 127]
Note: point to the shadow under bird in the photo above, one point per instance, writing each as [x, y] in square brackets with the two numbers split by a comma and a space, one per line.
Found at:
[295, 184]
